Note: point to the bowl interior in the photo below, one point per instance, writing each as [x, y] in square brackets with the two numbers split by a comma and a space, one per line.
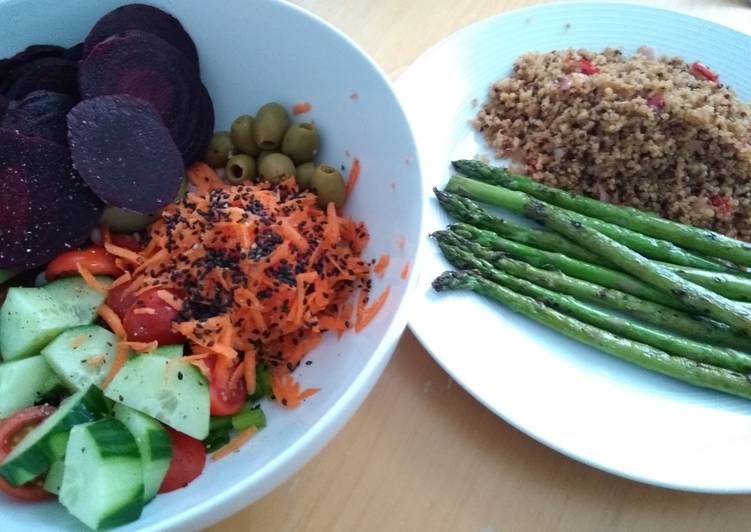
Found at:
[252, 52]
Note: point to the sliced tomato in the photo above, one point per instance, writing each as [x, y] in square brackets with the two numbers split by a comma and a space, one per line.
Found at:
[12, 430]
[96, 259]
[188, 461]
[120, 299]
[126, 241]
[150, 318]
[227, 394]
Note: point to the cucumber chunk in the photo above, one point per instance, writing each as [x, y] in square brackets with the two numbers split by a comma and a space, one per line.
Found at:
[82, 355]
[23, 383]
[103, 478]
[46, 443]
[54, 479]
[175, 394]
[30, 318]
[153, 442]
[80, 298]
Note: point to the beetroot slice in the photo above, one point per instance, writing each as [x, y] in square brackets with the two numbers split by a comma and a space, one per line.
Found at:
[203, 131]
[74, 53]
[48, 73]
[144, 18]
[124, 153]
[40, 114]
[143, 65]
[45, 207]
[32, 53]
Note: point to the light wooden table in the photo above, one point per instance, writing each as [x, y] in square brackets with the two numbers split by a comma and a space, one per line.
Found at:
[421, 454]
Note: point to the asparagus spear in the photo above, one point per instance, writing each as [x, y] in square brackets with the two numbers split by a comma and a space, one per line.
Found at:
[648, 311]
[467, 211]
[600, 275]
[701, 240]
[637, 353]
[675, 345]
[645, 245]
[703, 301]
[727, 284]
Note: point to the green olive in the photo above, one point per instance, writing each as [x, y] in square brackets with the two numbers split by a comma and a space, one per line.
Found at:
[240, 168]
[301, 142]
[328, 184]
[124, 221]
[262, 156]
[220, 149]
[275, 167]
[269, 126]
[303, 175]
[241, 133]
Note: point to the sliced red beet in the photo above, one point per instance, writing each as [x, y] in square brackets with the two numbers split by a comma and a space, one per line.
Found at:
[124, 152]
[32, 53]
[40, 114]
[144, 18]
[203, 131]
[45, 207]
[143, 65]
[74, 53]
[47, 73]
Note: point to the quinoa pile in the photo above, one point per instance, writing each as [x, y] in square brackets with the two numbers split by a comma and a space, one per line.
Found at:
[654, 133]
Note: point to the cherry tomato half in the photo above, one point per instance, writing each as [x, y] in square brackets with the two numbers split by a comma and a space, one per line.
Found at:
[188, 460]
[150, 318]
[119, 300]
[227, 396]
[94, 258]
[12, 429]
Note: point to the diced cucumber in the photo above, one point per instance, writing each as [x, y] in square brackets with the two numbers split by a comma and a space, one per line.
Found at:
[23, 383]
[29, 319]
[80, 298]
[45, 443]
[153, 442]
[54, 479]
[169, 351]
[175, 394]
[82, 355]
[103, 479]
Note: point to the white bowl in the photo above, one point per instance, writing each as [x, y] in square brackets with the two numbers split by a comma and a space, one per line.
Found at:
[252, 52]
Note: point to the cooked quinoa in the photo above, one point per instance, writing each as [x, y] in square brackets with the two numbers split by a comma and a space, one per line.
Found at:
[654, 133]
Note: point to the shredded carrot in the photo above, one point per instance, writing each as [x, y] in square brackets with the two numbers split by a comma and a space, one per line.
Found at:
[111, 319]
[123, 253]
[144, 310]
[301, 108]
[366, 315]
[249, 370]
[142, 347]
[124, 278]
[169, 298]
[78, 341]
[92, 281]
[381, 265]
[287, 390]
[405, 271]
[234, 444]
[354, 175]
[121, 357]
[95, 360]
[402, 244]
[257, 269]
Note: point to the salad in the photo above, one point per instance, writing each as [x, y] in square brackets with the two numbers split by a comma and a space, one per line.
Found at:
[161, 281]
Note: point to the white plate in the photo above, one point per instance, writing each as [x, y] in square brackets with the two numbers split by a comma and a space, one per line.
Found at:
[584, 403]
[253, 51]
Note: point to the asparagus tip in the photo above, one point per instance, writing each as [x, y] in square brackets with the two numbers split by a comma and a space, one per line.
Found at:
[451, 280]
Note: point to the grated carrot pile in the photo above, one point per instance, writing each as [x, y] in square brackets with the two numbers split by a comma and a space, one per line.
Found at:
[235, 444]
[262, 273]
